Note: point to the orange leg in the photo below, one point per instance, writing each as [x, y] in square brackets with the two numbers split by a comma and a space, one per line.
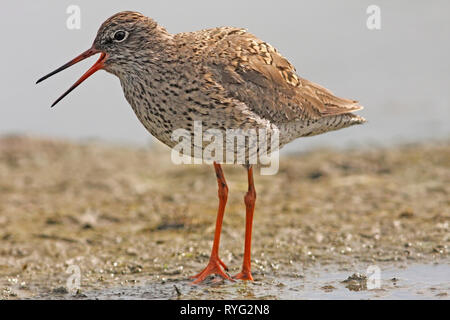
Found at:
[215, 265]
[249, 200]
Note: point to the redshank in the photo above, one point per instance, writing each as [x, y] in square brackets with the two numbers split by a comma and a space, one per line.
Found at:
[225, 78]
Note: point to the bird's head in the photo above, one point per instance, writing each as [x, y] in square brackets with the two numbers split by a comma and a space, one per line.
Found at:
[125, 41]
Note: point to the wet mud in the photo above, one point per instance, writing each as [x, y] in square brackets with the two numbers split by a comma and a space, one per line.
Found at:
[133, 225]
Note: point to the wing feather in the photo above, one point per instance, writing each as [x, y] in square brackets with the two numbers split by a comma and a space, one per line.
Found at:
[266, 82]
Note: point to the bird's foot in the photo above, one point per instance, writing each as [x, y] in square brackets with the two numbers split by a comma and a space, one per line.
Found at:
[244, 275]
[214, 266]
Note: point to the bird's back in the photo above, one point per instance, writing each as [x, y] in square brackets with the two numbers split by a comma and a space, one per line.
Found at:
[255, 73]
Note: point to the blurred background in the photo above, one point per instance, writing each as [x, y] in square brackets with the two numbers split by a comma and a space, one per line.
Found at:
[135, 220]
[400, 73]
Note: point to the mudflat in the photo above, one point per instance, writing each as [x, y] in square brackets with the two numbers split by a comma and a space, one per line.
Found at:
[134, 225]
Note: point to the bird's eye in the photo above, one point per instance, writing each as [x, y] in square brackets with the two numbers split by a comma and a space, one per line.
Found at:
[120, 35]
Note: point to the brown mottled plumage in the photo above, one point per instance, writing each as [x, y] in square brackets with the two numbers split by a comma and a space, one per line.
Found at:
[226, 78]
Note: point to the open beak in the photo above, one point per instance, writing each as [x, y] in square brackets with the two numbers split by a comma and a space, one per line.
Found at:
[97, 66]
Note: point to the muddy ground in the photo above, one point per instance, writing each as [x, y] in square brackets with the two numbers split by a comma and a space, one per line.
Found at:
[137, 226]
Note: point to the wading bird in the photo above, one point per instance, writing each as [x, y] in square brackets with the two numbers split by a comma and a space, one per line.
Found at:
[224, 77]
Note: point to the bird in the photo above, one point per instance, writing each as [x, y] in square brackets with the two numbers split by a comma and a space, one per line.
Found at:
[224, 78]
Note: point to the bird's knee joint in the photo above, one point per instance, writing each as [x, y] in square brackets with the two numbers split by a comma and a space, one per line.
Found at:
[223, 191]
[250, 198]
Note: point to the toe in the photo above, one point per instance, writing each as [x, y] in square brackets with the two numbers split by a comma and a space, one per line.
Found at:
[214, 267]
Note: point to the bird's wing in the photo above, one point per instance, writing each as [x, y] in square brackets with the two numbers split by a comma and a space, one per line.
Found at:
[253, 72]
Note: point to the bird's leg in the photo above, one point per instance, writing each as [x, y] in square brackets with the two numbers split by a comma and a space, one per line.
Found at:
[215, 265]
[249, 200]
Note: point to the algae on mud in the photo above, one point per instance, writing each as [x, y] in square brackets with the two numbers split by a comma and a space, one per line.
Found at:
[129, 216]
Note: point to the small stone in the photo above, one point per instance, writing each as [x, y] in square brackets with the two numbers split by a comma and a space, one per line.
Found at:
[60, 290]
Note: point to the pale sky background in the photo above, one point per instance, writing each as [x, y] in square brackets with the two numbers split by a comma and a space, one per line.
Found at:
[401, 73]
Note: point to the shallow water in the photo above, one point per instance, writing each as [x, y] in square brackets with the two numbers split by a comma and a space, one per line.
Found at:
[419, 281]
